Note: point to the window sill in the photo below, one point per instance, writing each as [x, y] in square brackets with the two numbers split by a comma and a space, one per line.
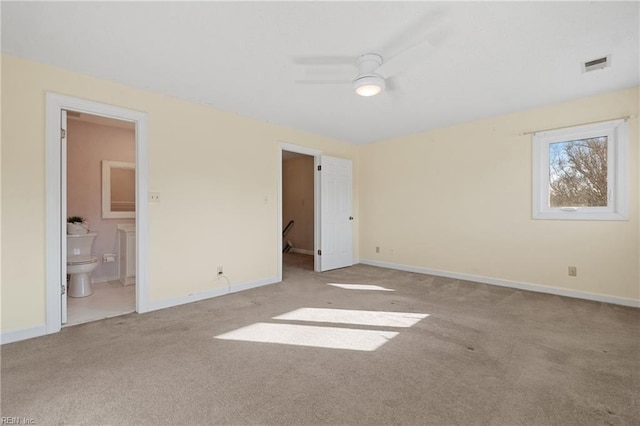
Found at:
[577, 215]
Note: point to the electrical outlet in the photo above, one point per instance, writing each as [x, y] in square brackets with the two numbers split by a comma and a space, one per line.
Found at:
[220, 270]
[377, 249]
[154, 197]
[573, 271]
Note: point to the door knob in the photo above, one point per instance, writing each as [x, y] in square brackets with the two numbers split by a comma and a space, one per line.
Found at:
[350, 217]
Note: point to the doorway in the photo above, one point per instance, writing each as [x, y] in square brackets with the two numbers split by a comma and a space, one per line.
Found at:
[298, 207]
[332, 209]
[56, 200]
[100, 189]
[288, 152]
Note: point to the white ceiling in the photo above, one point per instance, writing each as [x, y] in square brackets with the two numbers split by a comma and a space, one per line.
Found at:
[487, 58]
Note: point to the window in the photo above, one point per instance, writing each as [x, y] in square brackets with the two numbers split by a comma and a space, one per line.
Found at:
[580, 173]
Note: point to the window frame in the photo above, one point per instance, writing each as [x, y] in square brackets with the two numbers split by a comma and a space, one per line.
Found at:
[617, 173]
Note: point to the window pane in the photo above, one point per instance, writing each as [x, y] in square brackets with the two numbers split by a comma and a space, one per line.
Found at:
[578, 173]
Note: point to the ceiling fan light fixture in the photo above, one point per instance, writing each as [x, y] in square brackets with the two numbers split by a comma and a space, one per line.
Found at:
[369, 85]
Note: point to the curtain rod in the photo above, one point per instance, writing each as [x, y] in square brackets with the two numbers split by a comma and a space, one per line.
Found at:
[624, 117]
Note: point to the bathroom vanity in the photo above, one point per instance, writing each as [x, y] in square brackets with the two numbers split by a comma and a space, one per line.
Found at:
[127, 254]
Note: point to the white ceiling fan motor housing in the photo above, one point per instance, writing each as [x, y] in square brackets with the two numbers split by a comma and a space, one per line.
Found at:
[368, 83]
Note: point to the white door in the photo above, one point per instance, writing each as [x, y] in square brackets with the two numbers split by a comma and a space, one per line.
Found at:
[336, 229]
[63, 217]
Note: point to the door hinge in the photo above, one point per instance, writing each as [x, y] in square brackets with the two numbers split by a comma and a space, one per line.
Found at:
[319, 167]
[319, 252]
[63, 133]
[63, 289]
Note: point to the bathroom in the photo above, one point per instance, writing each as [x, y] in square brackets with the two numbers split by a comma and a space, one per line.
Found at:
[100, 152]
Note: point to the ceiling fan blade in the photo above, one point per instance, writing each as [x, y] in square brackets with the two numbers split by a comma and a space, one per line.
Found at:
[417, 30]
[322, 75]
[390, 85]
[406, 59]
[324, 60]
[333, 72]
[324, 81]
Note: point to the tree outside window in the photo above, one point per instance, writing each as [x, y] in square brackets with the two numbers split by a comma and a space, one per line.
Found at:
[578, 173]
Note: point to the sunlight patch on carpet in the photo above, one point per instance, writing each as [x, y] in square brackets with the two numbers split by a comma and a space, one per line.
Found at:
[349, 316]
[361, 287]
[315, 336]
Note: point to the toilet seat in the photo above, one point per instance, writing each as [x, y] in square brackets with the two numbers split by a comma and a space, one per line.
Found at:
[81, 260]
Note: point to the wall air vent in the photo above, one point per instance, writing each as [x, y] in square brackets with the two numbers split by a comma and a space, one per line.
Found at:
[596, 64]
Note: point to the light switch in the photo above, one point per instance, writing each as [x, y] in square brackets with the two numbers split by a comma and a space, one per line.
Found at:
[154, 197]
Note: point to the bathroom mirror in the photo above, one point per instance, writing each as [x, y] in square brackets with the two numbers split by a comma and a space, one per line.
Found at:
[118, 190]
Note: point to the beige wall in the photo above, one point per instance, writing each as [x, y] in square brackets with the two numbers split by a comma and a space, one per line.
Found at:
[458, 199]
[88, 144]
[213, 170]
[297, 200]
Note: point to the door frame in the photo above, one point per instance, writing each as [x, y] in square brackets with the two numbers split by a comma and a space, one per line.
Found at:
[316, 154]
[56, 164]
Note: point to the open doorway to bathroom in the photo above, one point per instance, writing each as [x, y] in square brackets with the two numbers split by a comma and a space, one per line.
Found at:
[100, 189]
[298, 212]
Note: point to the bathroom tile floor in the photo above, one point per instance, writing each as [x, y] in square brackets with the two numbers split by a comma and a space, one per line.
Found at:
[108, 300]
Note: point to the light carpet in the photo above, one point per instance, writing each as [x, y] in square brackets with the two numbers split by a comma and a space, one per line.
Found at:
[483, 355]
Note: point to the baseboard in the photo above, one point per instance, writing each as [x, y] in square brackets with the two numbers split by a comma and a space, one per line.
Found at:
[302, 251]
[253, 284]
[214, 292]
[23, 334]
[507, 283]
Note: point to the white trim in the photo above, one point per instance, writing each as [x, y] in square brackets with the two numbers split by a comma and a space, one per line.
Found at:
[302, 251]
[182, 300]
[64, 126]
[142, 214]
[54, 263]
[53, 220]
[316, 154]
[215, 292]
[22, 334]
[507, 283]
[253, 284]
[616, 132]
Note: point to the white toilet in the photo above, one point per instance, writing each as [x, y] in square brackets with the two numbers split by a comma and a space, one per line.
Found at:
[80, 264]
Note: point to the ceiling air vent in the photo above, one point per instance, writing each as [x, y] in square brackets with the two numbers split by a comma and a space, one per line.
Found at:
[596, 64]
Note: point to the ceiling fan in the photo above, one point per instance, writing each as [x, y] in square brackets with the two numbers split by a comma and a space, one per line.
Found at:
[372, 70]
